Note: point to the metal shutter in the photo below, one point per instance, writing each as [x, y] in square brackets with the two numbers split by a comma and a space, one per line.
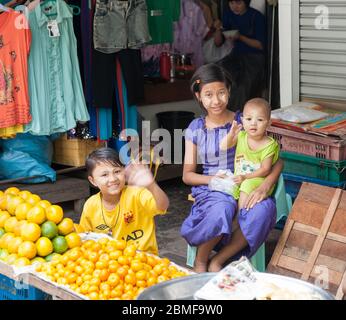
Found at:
[322, 53]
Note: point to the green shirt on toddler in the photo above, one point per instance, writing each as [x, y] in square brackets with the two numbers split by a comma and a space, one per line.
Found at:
[247, 161]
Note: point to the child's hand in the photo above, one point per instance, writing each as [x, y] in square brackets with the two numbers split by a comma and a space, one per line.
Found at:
[138, 175]
[230, 140]
[221, 175]
[235, 129]
[239, 179]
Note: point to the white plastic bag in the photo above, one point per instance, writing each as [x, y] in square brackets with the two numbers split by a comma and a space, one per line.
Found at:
[223, 182]
[234, 282]
[212, 53]
[301, 112]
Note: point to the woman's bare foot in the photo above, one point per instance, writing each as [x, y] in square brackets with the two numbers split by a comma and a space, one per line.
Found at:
[214, 266]
[200, 267]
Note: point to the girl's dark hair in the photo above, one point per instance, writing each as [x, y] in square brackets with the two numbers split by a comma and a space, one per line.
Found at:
[102, 155]
[247, 2]
[209, 73]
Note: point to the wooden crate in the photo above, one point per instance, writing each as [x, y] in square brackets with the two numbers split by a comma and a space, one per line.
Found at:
[73, 152]
[312, 246]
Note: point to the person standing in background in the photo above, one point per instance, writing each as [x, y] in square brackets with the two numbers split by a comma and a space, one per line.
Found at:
[246, 62]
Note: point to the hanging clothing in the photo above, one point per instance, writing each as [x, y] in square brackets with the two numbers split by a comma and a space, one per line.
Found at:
[10, 132]
[120, 24]
[102, 84]
[161, 17]
[15, 40]
[190, 31]
[56, 93]
[104, 76]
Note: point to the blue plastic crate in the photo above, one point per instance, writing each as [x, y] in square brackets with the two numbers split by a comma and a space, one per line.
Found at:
[8, 291]
[294, 182]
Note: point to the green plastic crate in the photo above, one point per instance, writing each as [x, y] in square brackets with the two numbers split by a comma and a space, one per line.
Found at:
[300, 164]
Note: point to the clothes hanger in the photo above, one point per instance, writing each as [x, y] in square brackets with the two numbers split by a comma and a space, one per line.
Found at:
[75, 9]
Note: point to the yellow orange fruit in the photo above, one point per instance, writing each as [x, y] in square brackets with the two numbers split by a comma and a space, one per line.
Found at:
[12, 190]
[44, 247]
[33, 199]
[14, 244]
[11, 258]
[10, 224]
[38, 260]
[136, 265]
[55, 213]
[3, 202]
[36, 215]
[5, 240]
[120, 244]
[66, 226]
[52, 256]
[25, 194]
[22, 210]
[3, 254]
[44, 204]
[18, 228]
[12, 203]
[22, 262]
[31, 231]
[73, 240]
[130, 250]
[3, 218]
[2, 232]
[27, 249]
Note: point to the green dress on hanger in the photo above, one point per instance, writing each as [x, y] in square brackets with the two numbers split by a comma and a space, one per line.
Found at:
[55, 86]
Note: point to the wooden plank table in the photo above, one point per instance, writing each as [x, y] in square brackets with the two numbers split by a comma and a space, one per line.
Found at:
[39, 283]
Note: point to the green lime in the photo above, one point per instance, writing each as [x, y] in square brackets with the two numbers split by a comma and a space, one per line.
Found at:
[51, 256]
[60, 244]
[2, 232]
[49, 229]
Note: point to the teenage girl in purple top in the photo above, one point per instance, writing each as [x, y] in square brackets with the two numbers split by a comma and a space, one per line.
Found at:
[209, 224]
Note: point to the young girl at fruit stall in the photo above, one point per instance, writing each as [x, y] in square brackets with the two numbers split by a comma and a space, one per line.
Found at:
[123, 211]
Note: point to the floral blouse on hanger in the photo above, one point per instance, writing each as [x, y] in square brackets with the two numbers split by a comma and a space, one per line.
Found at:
[15, 38]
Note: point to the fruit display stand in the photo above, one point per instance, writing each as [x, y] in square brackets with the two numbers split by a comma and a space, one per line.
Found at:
[32, 230]
[40, 248]
[42, 287]
[30, 287]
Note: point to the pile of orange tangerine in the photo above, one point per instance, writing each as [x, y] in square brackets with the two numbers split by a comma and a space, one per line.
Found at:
[32, 229]
[108, 270]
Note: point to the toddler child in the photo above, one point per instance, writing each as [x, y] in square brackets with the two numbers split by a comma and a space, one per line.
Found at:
[256, 152]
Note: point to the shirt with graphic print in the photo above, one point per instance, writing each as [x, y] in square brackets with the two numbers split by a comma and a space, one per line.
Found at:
[247, 160]
[132, 219]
